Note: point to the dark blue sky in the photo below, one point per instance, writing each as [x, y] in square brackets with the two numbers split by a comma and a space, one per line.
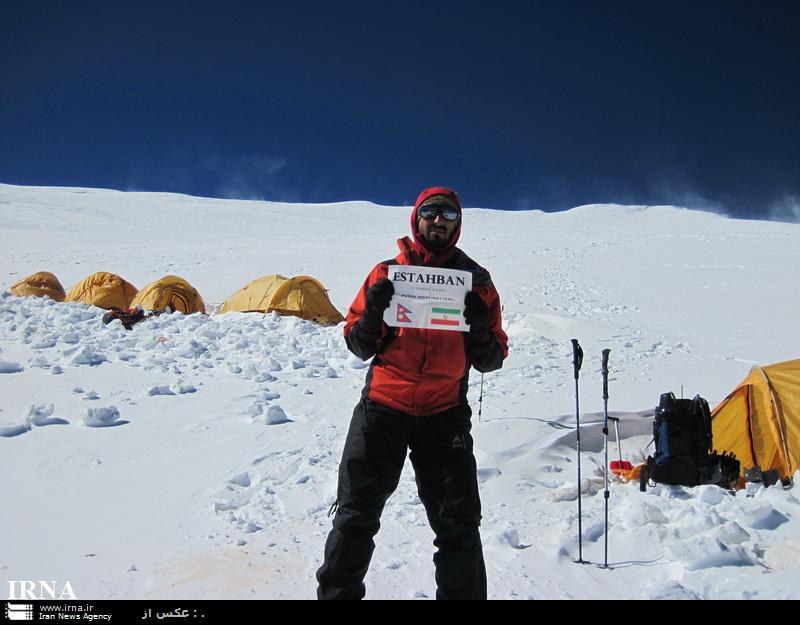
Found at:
[517, 104]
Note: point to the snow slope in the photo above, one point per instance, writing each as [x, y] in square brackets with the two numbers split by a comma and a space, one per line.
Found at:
[196, 456]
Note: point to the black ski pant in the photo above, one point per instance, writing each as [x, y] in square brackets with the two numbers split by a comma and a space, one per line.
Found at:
[446, 475]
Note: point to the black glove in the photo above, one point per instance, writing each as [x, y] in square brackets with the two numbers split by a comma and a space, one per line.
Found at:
[476, 313]
[379, 295]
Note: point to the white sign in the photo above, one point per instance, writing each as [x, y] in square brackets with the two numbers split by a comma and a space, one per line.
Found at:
[428, 297]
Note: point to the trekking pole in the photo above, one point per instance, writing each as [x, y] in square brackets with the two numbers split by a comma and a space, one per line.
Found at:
[577, 360]
[480, 400]
[605, 433]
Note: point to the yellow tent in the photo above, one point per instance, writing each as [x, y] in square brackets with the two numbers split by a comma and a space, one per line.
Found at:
[255, 296]
[170, 291]
[40, 284]
[301, 296]
[104, 290]
[760, 420]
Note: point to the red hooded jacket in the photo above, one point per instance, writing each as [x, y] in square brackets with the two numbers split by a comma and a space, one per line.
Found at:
[420, 371]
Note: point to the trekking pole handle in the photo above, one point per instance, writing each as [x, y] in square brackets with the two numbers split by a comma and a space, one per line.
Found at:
[606, 352]
[577, 357]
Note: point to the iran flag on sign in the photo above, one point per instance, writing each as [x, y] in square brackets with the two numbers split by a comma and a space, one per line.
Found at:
[445, 316]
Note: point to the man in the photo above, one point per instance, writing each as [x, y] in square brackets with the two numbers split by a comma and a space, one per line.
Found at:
[416, 397]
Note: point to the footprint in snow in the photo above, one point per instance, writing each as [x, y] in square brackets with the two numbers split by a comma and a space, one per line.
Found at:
[10, 367]
[103, 417]
[175, 389]
[241, 479]
[9, 431]
[276, 415]
[41, 415]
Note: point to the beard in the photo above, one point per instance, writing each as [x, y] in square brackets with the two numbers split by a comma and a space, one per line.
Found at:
[435, 245]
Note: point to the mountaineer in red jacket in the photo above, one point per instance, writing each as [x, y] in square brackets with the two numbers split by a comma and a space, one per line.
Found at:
[415, 397]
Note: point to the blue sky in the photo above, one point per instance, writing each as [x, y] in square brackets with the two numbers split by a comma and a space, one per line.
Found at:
[516, 104]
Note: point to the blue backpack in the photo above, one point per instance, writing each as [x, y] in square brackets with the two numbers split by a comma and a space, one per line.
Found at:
[684, 452]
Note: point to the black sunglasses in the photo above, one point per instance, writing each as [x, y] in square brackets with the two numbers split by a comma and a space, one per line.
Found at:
[430, 211]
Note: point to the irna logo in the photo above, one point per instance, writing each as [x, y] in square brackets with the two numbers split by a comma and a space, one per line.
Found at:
[41, 590]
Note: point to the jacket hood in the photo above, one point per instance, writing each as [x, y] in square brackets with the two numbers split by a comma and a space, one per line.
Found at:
[429, 257]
